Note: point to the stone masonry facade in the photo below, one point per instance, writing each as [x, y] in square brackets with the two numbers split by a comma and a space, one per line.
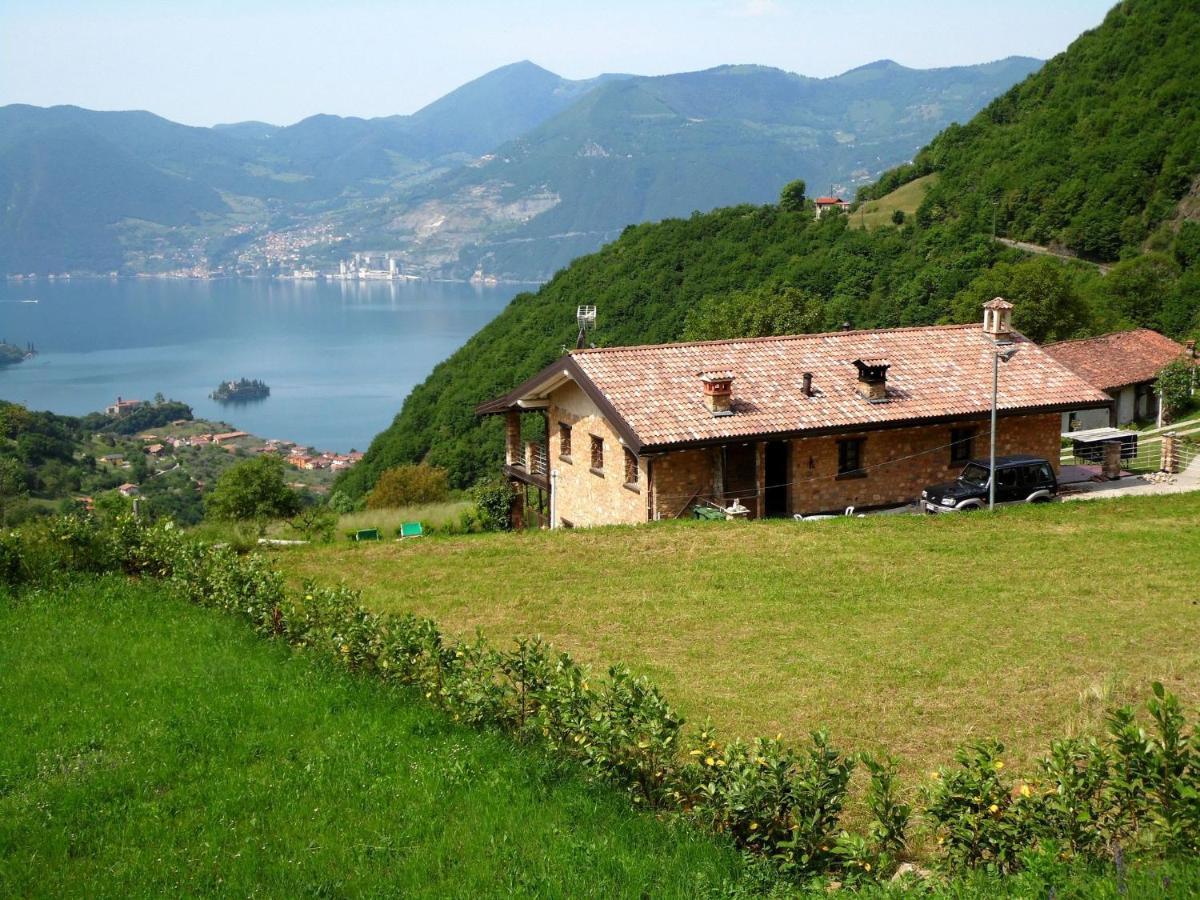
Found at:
[922, 458]
[898, 464]
[583, 495]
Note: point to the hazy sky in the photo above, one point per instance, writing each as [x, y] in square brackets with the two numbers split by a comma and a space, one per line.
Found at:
[213, 61]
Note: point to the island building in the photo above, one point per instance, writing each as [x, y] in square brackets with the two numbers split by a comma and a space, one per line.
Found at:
[779, 426]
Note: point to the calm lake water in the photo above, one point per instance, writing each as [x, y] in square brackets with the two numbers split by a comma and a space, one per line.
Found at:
[339, 357]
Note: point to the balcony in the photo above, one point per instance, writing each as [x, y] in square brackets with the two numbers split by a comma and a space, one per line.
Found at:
[533, 468]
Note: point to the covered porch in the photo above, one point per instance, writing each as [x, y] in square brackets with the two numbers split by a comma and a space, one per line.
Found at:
[527, 469]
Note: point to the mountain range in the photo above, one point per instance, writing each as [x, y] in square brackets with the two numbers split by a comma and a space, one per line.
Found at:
[511, 175]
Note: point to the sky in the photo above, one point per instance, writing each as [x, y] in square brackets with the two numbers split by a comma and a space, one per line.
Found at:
[210, 61]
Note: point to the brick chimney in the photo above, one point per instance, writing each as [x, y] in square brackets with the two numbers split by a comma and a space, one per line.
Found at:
[718, 392]
[872, 378]
[997, 320]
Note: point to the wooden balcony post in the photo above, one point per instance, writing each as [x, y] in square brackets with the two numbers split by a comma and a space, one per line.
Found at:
[512, 438]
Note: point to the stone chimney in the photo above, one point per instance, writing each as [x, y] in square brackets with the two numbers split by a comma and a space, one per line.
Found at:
[808, 389]
[997, 320]
[1190, 347]
[718, 392]
[872, 378]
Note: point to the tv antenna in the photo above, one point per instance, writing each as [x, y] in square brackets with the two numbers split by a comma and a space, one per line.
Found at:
[585, 317]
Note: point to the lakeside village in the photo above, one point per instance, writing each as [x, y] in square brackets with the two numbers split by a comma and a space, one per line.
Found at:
[192, 453]
[183, 433]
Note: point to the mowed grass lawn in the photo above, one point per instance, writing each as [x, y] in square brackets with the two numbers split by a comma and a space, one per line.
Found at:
[905, 633]
[907, 197]
[148, 748]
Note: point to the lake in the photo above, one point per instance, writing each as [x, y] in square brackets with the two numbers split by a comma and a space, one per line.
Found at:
[340, 357]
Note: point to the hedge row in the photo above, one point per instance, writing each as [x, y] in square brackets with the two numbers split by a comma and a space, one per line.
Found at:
[1133, 795]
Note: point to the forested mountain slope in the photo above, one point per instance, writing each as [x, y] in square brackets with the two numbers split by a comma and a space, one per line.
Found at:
[1095, 152]
[72, 179]
[567, 171]
[645, 149]
[748, 270]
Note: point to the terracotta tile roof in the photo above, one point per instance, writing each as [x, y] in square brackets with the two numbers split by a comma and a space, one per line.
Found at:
[1113, 361]
[936, 372]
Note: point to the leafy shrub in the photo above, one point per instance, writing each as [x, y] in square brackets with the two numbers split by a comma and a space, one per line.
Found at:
[407, 486]
[253, 490]
[1174, 387]
[493, 501]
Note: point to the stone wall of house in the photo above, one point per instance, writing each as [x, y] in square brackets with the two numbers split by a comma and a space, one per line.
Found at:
[680, 475]
[581, 496]
[815, 460]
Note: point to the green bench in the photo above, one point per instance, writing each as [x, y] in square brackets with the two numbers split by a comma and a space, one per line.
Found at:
[364, 534]
[410, 529]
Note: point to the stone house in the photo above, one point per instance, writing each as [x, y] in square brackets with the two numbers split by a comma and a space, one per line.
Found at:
[824, 204]
[1124, 365]
[780, 425]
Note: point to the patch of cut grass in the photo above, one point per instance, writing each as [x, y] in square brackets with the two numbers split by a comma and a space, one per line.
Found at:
[905, 633]
[907, 198]
[151, 748]
[388, 521]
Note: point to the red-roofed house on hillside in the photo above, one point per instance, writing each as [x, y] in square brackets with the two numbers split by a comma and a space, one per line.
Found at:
[782, 425]
[823, 204]
[1124, 365]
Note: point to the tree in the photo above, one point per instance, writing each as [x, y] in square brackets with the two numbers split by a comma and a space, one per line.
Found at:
[1138, 289]
[13, 486]
[253, 490]
[791, 198]
[407, 485]
[1047, 305]
[1174, 388]
[758, 313]
[898, 217]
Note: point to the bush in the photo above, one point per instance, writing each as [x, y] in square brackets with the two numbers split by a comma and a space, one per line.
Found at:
[408, 486]
[1174, 388]
[493, 501]
[252, 491]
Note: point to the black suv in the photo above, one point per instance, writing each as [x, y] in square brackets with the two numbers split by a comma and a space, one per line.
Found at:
[1027, 479]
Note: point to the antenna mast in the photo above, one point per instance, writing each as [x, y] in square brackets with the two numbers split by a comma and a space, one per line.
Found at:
[585, 317]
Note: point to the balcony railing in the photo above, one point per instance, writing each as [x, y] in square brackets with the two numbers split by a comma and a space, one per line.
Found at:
[535, 459]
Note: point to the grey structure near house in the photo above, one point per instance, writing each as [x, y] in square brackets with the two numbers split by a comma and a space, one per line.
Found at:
[1124, 365]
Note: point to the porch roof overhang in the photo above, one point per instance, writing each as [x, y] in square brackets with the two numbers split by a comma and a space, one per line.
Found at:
[534, 394]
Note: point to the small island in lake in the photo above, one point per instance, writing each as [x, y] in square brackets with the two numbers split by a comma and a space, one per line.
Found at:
[11, 354]
[242, 390]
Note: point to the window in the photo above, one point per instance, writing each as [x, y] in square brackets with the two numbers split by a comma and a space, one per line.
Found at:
[597, 455]
[850, 459]
[962, 445]
[631, 469]
[564, 441]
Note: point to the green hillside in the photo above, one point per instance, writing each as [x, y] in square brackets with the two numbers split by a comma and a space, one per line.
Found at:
[1095, 152]
[747, 270]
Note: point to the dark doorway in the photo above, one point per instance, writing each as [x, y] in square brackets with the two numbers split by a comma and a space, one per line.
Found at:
[741, 476]
[777, 476]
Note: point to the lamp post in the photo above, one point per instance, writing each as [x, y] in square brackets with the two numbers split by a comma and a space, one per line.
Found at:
[1005, 354]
